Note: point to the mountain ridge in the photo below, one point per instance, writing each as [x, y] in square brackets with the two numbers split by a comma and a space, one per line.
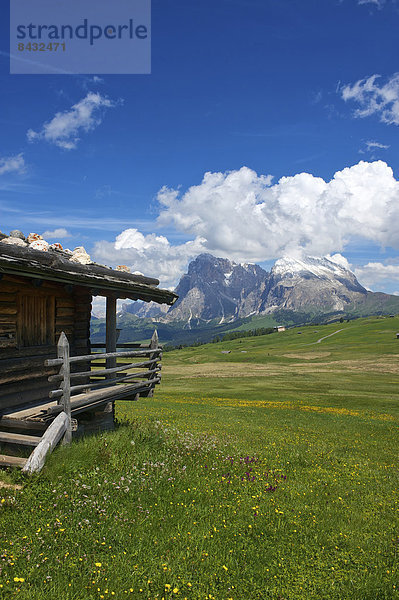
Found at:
[219, 289]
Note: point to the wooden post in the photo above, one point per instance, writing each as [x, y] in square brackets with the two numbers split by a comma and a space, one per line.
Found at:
[110, 335]
[65, 371]
[153, 346]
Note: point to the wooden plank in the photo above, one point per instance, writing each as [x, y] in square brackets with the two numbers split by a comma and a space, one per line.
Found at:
[99, 372]
[8, 319]
[12, 461]
[7, 287]
[24, 362]
[8, 308]
[14, 422]
[64, 321]
[19, 438]
[51, 335]
[154, 345]
[6, 297]
[65, 312]
[101, 395]
[7, 328]
[18, 376]
[65, 303]
[49, 440]
[105, 383]
[90, 357]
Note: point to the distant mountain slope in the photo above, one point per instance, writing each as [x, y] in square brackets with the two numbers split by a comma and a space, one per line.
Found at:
[216, 288]
[218, 295]
[314, 284]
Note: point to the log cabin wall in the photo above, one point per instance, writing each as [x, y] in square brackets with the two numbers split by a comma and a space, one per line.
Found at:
[33, 313]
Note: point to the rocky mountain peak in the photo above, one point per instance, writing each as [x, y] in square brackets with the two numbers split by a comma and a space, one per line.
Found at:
[217, 288]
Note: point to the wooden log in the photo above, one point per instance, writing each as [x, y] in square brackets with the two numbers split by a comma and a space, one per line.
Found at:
[118, 345]
[65, 303]
[8, 288]
[8, 308]
[10, 422]
[7, 328]
[104, 383]
[67, 321]
[49, 440]
[12, 461]
[64, 313]
[26, 395]
[99, 372]
[154, 345]
[90, 357]
[98, 396]
[65, 371]
[18, 438]
[16, 376]
[24, 362]
[20, 386]
[8, 319]
[7, 297]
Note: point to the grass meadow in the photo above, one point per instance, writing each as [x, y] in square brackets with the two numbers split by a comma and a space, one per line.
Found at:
[270, 472]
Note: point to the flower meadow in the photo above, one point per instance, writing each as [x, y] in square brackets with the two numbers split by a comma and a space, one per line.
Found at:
[267, 488]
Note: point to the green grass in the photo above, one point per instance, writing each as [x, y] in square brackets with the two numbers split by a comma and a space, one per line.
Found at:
[269, 472]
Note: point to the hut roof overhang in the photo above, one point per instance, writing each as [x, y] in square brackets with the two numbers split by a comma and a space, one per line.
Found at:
[102, 281]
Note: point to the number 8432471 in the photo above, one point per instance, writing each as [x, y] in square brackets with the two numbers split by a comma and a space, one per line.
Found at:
[41, 47]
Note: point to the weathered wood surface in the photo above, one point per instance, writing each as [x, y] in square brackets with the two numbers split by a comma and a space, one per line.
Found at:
[110, 335]
[154, 346]
[105, 383]
[109, 393]
[100, 372]
[90, 357]
[53, 266]
[39, 319]
[12, 461]
[49, 440]
[19, 423]
[65, 399]
[18, 438]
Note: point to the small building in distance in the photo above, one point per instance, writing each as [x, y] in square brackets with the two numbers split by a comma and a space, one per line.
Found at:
[280, 328]
[45, 291]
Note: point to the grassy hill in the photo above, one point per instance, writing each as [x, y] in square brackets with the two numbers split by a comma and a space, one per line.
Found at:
[269, 472]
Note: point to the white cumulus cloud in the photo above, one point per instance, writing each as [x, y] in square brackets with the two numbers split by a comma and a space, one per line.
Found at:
[64, 128]
[12, 164]
[375, 98]
[246, 217]
[243, 216]
[150, 254]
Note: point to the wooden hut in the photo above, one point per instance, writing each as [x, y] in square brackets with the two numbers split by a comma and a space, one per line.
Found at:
[42, 372]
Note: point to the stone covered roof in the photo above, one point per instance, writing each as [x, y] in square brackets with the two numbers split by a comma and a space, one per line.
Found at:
[34, 257]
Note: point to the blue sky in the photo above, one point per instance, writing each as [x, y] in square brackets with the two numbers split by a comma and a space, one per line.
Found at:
[249, 91]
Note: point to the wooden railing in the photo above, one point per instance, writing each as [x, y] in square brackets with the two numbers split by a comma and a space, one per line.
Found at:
[101, 384]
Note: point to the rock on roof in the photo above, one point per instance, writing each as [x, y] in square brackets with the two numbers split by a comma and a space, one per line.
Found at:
[33, 257]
